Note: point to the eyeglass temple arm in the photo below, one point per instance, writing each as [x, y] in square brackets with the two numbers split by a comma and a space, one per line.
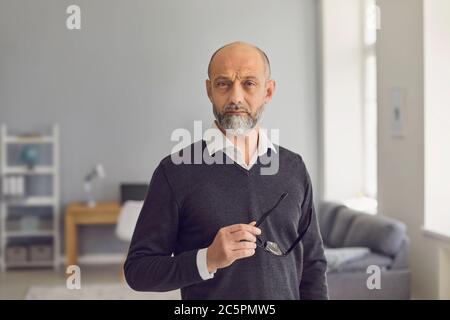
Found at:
[300, 237]
[264, 216]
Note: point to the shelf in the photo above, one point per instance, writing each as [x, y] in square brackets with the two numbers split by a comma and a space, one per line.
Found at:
[29, 233]
[31, 201]
[29, 264]
[23, 170]
[47, 172]
[29, 140]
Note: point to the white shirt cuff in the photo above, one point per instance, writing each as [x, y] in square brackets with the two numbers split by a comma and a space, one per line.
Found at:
[202, 265]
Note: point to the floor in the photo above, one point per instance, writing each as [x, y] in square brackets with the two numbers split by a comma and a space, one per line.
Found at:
[14, 284]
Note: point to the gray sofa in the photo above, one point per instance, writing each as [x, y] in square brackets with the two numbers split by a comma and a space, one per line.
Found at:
[380, 241]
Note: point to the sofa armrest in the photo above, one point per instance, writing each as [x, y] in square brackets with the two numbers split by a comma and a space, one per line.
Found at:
[401, 259]
[395, 285]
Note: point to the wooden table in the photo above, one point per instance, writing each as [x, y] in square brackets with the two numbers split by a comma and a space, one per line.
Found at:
[80, 214]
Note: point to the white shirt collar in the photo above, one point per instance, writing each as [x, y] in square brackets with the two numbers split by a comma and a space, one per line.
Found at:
[224, 144]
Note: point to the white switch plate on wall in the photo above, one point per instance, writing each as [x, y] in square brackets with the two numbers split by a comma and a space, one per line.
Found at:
[397, 115]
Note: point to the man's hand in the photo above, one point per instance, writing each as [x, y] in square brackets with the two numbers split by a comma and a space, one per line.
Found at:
[231, 243]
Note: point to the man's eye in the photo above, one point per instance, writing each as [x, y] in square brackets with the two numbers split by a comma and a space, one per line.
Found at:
[221, 84]
[250, 83]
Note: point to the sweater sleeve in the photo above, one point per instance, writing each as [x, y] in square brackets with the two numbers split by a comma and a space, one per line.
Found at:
[150, 265]
[313, 283]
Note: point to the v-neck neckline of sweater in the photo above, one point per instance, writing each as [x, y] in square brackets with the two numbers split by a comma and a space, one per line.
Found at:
[248, 172]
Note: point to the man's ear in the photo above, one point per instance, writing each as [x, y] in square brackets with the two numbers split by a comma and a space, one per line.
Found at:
[208, 89]
[270, 90]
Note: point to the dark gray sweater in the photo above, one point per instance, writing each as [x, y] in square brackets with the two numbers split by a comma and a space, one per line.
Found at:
[187, 204]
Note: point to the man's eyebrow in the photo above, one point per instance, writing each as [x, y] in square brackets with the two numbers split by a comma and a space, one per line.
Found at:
[251, 78]
[221, 78]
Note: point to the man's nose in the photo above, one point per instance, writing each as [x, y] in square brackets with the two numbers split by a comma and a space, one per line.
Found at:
[237, 94]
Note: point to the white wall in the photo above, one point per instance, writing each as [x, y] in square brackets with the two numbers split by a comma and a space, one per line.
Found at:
[437, 114]
[401, 160]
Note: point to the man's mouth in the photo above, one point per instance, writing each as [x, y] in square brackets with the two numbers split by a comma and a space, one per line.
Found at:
[236, 112]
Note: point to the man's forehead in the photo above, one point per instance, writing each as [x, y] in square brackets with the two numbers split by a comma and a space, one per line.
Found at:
[241, 70]
[244, 61]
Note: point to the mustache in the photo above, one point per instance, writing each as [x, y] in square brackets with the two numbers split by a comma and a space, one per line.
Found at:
[235, 108]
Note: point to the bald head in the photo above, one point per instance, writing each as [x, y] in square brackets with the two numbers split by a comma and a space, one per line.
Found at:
[239, 46]
[239, 85]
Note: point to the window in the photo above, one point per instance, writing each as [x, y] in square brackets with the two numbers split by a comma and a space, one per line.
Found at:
[367, 201]
[349, 102]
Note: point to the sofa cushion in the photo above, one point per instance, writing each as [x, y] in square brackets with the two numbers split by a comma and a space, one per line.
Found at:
[326, 215]
[337, 257]
[341, 224]
[360, 265]
[381, 234]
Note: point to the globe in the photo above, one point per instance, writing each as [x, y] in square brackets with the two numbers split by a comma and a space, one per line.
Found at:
[30, 156]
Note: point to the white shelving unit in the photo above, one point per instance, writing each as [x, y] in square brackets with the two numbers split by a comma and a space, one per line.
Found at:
[52, 201]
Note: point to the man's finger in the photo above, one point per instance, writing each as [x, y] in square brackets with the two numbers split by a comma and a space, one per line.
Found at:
[243, 245]
[246, 227]
[242, 235]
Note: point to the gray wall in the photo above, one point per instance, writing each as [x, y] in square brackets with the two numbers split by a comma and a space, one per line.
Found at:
[136, 71]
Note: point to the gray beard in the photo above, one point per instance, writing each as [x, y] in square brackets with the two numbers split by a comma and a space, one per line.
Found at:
[237, 124]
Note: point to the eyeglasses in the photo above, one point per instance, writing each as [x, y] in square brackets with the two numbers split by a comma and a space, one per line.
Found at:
[271, 246]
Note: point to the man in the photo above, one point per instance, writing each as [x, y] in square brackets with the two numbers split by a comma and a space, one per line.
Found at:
[205, 214]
